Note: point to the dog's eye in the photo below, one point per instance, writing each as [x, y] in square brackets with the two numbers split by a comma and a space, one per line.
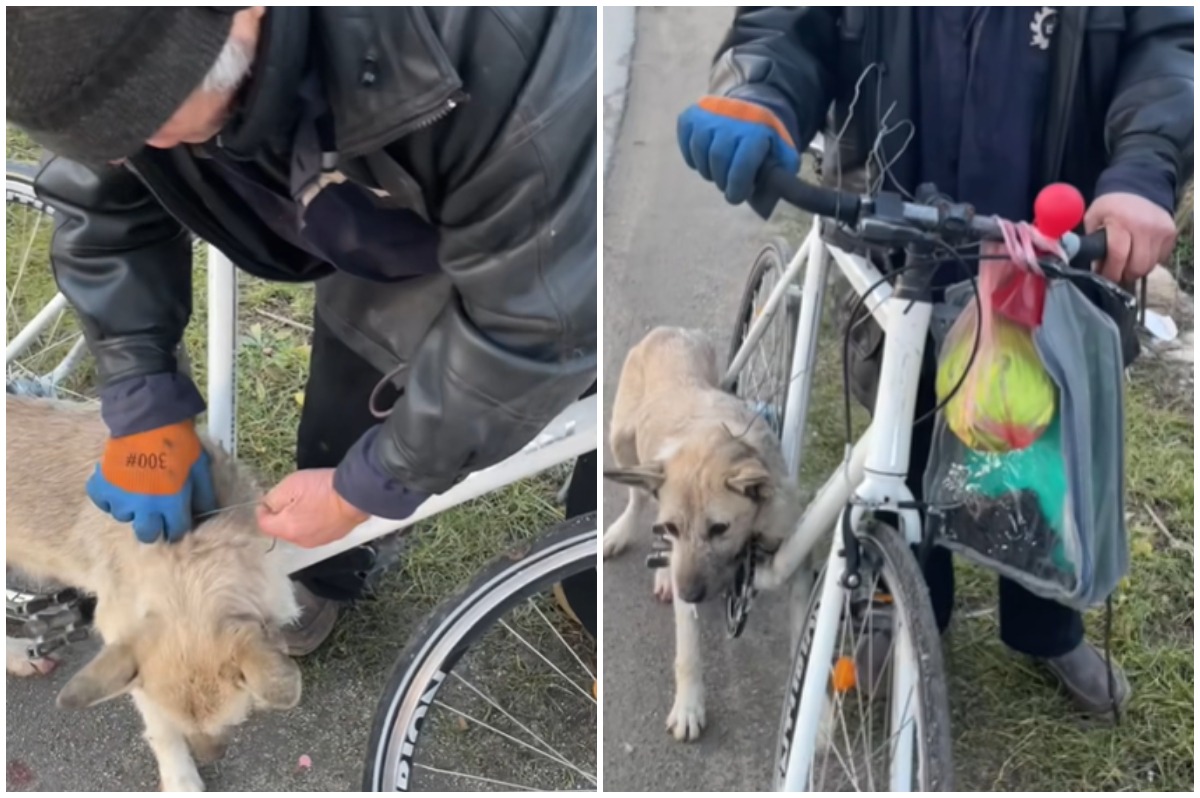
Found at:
[666, 529]
[717, 529]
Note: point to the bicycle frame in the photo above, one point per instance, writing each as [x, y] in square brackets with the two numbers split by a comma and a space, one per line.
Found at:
[871, 478]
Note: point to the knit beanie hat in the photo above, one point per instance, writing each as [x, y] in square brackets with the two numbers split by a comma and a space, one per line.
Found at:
[92, 83]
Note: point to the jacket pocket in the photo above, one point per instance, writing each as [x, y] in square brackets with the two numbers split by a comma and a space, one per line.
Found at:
[384, 323]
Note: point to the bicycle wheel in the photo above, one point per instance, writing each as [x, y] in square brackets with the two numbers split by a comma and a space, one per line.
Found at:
[763, 379]
[436, 729]
[889, 613]
[45, 353]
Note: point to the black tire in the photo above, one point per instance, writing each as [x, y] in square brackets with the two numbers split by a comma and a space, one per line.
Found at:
[771, 259]
[911, 598]
[18, 185]
[567, 549]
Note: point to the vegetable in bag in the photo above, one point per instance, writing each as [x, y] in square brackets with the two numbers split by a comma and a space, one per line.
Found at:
[1006, 399]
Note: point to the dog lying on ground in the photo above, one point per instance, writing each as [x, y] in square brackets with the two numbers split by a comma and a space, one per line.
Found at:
[717, 473]
[192, 630]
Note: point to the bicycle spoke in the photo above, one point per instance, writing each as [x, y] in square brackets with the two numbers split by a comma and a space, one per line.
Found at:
[851, 746]
[12, 292]
[543, 657]
[548, 748]
[563, 640]
[911, 722]
[59, 389]
[469, 777]
[839, 697]
[509, 737]
[844, 768]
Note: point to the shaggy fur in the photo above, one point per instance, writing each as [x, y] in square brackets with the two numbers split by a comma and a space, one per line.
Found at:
[191, 630]
[715, 470]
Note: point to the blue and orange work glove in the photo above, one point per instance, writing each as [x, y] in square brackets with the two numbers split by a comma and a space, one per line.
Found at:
[158, 479]
[728, 141]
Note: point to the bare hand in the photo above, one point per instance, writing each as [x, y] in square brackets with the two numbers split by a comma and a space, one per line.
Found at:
[305, 509]
[1140, 235]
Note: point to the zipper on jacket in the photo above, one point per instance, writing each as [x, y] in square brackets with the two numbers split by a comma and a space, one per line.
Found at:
[439, 113]
[1061, 101]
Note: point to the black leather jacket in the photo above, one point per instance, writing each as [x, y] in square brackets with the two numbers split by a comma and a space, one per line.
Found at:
[1120, 109]
[480, 120]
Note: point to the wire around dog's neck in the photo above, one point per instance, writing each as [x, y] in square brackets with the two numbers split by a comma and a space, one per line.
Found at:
[238, 506]
[228, 508]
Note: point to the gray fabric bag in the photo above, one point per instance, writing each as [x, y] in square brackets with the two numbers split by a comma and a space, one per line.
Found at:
[997, 509]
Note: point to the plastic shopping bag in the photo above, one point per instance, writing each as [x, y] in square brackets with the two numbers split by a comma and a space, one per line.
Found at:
[1026, 474]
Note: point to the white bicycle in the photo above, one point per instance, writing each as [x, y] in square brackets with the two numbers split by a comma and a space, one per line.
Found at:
[436, 728]
[867, 706]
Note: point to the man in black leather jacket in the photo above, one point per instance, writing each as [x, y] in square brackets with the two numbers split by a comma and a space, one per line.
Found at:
[990, 104]
[433, 170]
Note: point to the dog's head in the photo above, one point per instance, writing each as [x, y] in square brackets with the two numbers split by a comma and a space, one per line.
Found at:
[205, 682]
[197, 634]
[710, 493]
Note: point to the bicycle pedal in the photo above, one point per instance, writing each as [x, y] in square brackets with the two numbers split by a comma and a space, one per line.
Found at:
[660, 553]
[48, 622]
[740, 597]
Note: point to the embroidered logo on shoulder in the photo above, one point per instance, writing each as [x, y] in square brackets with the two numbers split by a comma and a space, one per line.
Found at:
[1044, 21]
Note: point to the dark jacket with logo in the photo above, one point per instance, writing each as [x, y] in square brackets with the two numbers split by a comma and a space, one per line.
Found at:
[474, 127]
[1119, 112]
[1115, 113]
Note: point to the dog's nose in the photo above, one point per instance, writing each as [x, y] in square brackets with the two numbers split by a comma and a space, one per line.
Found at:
[692, 594]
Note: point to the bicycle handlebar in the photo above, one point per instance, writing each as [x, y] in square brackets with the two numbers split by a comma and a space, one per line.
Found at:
[817, 200]
[851, 209]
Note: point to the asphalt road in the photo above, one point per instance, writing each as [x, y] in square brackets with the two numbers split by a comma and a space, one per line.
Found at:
[101, 749]
[675, 253]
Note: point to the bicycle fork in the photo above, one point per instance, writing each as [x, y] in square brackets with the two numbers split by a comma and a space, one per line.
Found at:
[882, 487]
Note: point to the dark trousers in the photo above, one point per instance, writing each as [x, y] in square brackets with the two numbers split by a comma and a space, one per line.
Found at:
[1029, 624]
[336, 415]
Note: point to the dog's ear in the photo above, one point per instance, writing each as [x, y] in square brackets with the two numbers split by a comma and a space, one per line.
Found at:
[647, 476]
[111, 673]
[270, 675]
[751, 479]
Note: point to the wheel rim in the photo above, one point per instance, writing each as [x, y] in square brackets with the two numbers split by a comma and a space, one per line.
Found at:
[462, 722]
[858, 732]
[763, 380]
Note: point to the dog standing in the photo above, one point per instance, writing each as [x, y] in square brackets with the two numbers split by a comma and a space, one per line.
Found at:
[192, 630]
[717, 473]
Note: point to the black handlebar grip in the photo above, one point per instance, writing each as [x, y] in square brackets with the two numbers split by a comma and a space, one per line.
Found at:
[1092, 247]
[818, 201]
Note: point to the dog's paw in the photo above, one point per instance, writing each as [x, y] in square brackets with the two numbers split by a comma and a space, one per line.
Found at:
[23, 667]
[686, 720]
[662, 585]
[184, 782]
[616, 539]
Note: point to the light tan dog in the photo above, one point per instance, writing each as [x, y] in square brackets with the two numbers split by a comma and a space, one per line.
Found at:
[191, 629]
[718, 475]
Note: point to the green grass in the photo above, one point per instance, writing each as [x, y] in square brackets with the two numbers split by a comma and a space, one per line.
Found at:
[439, 556]
[1013, 730]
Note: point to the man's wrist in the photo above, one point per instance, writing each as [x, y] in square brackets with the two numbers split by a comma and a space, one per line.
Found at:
[1143, 179]
[362, 483]
[139, 404]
